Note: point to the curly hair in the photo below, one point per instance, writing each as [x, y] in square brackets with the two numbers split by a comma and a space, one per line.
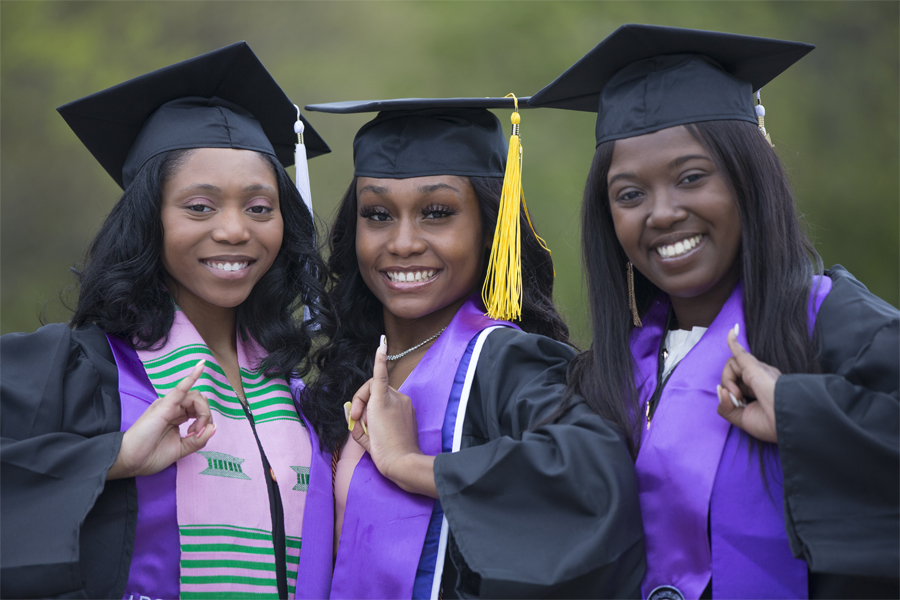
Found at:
[777, 264]
[122, 287]
[355, 318]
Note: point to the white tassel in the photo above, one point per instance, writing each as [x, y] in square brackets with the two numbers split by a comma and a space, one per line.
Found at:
[302, 180]
[302, 174]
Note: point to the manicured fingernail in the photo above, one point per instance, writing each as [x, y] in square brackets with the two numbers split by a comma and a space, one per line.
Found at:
[365, 429]
[383, 343]
[350, 422]
[199, 365]
[737, 329]
[734, 400]
[719, 393]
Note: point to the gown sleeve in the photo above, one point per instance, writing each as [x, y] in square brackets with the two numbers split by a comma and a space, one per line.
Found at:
[539, 504]
[838, 439]
[61, 535]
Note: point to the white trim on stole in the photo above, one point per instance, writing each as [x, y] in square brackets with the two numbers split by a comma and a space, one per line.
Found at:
[457, 439]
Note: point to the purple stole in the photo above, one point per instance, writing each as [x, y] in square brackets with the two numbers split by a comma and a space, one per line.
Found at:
[693, 466]
[384, 527]
[155, 563]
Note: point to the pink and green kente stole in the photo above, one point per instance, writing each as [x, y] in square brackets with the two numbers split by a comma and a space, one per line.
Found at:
[224, 520]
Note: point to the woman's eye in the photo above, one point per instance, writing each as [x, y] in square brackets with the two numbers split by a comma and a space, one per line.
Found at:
[199, 208]
[374, 214]
[438, 212]
[628, 196]
[692, 178]
[260, 209]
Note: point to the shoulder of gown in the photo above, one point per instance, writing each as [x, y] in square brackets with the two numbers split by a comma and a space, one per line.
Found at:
[539, 502]
[65, 531]
[839, 438]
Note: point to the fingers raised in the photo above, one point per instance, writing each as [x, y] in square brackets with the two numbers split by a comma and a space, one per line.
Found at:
[188, 382]
[380, 373]
[743, 358]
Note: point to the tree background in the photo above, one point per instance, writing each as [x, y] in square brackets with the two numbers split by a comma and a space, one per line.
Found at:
[833, 116]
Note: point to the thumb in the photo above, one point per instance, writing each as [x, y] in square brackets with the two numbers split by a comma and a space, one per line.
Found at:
[192, 443]
[730, 406]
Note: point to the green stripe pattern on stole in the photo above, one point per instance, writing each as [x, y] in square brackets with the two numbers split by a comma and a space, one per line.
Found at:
[292, 553]
[230, 561]
[270, 400]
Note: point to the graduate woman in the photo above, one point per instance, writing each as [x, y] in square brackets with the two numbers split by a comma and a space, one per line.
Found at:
[461, 478]
[207, 256]
[762, 394]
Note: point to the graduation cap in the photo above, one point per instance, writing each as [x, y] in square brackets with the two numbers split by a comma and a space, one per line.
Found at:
[221, 99]
[421, 137]
[643, 78]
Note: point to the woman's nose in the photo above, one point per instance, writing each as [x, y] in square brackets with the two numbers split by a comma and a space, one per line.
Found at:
[231, 227]
[665, 210]
[407, 240]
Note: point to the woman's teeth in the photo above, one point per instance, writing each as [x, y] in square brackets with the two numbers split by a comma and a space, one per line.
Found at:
[679, 248]
[227, 266]
[406, 277]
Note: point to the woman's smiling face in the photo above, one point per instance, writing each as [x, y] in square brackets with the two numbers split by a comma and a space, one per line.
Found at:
[222, 226]
[676, 219]
[419, 244]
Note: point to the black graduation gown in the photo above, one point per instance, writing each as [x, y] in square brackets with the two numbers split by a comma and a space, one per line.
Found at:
[66, 531]
[839, 442]
[561, 490]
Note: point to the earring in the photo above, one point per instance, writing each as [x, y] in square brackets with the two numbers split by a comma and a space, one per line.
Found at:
[632, 302]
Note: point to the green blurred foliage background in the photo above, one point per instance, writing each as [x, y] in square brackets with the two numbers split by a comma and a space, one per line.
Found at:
[833, 116]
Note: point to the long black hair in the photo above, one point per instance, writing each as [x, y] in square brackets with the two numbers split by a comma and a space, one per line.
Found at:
[777, 263]
[123, 285]
[356, 318]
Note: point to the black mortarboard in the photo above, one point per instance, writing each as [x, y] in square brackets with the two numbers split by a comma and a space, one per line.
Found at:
[221, 99]
[643, 78]
[419, 137]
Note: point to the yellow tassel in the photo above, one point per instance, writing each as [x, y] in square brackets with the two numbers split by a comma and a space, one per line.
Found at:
[502, 291]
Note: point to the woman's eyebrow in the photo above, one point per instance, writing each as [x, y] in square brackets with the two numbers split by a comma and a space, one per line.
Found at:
[374, 189]
[259, 187]
[683, 159]
[429, 189]
[626, 175]
[208, 187]
[200, 187]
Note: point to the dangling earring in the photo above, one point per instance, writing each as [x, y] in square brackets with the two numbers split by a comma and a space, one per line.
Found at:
[632, 302]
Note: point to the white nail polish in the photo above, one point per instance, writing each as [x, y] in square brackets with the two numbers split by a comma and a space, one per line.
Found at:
[737, 404]
[737, 329]
[719, 393]
[383, 342]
